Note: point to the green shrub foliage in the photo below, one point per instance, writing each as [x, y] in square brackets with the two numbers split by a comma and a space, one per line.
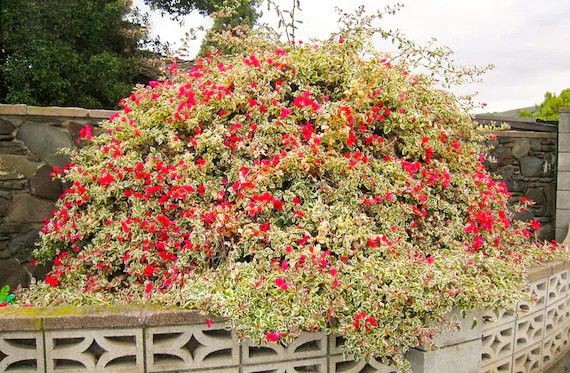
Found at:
[69, 52]
[291, 188]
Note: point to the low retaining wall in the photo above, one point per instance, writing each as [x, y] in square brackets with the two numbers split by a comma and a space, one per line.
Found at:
[526, 338]
[30, 139]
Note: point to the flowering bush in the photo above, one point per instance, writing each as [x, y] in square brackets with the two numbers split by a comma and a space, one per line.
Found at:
[290, 188]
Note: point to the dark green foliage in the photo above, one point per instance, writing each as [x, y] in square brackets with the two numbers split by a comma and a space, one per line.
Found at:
[229, 14]
[245, 14]
[68, 52]
[550, 107]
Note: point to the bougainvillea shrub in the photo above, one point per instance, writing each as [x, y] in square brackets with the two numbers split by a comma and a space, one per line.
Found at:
[291, 188]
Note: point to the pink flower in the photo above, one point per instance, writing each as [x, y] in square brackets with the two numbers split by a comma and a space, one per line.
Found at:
[264, 227]
[281, 283]
[272, 336]
[148, 287]
[86, 133]
[208, 322]
[285, 112]
[106, 180]
[430, 259]
[51, 281]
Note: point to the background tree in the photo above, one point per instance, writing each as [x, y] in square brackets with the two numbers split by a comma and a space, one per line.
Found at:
[245, 9]
[549, 108]
[70, 52]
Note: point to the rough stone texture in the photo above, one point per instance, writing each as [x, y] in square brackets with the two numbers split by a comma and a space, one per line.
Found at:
[14, 167]
[6, 127]
[532, 166]
[13, 273]
[526, 161]
[22, 245]
[521, 147]
[46, 141]
[27, 208]
[15, 147]
[42, 185]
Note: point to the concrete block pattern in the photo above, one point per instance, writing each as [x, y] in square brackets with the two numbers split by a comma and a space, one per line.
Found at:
[336, 343]
[501, 366]
[307, 345]
[340, 364]
[563, 200]
[94, 350]
[563, 161]
[529, 330]
[554, 346]
[555, 317]
[175, 348]
[528, 360]
[462, 357]
[493, 319]
[22, 351]
[497, 344]
[563, 180]
[295, 366]
[538, 290]
[557, 287]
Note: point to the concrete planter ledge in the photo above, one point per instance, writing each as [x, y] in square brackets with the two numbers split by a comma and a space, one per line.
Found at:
[530, 337]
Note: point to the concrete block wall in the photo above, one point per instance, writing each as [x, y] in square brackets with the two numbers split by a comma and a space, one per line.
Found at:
[563, 176]
[529, 337]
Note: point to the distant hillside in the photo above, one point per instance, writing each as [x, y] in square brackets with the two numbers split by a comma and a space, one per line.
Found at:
[513, 113]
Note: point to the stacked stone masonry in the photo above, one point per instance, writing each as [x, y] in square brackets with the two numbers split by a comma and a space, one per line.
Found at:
[31, 139]
[530, 337]
[525, 157]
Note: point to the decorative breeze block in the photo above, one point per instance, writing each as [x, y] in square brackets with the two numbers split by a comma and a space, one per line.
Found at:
[528, 360]
[497, 343]
[554, 347]
[557, 286]
[175, 348]
[493, 319]
[529, 330]
[340, 364]
[22, 352]
[94, 350]
[307, 345]
[556, 317]
[295, 366]
[538, 290]
[501, 366]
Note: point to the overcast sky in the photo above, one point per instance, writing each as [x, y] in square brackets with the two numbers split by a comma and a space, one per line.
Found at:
[527, 40]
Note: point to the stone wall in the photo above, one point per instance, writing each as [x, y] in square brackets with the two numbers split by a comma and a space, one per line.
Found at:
[30, 140]
[525, 158]
[526, 338]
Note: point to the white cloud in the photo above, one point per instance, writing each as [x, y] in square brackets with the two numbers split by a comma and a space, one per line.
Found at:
[525, 39]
